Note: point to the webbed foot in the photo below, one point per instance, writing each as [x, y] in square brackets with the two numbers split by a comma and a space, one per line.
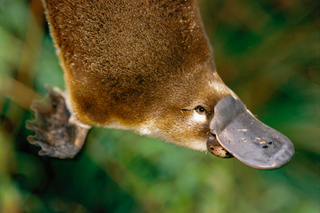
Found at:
[56, 136]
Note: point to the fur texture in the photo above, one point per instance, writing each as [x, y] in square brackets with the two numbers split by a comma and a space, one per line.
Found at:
[142, 65]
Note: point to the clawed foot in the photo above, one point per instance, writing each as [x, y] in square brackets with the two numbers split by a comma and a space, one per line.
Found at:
[56, 136]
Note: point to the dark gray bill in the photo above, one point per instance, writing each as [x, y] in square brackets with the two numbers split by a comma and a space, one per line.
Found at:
[246, 138]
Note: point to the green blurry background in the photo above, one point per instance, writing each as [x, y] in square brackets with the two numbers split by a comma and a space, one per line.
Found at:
[266, 51]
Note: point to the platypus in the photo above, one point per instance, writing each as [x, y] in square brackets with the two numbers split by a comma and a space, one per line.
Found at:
[145, 66]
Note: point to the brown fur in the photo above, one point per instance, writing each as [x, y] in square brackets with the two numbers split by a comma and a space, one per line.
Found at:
[132, 62]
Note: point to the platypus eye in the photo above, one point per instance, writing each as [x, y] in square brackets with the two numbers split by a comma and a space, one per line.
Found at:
[201, 110]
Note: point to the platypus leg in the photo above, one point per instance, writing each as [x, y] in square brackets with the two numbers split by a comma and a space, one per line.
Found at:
[54, 133]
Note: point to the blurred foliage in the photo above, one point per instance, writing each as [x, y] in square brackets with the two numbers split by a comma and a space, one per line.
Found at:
[266, 51]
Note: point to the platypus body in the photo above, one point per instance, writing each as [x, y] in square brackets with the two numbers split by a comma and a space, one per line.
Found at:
[146, 66]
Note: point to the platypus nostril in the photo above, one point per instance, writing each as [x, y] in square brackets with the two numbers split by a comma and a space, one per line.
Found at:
[265, 146]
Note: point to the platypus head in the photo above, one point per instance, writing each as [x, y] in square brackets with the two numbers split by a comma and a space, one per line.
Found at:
[200, 112]
[183, 113]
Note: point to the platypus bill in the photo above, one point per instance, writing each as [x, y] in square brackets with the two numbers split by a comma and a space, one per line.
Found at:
[145, 66]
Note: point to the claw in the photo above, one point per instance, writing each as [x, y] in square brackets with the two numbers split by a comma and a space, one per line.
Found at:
[56, 136]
